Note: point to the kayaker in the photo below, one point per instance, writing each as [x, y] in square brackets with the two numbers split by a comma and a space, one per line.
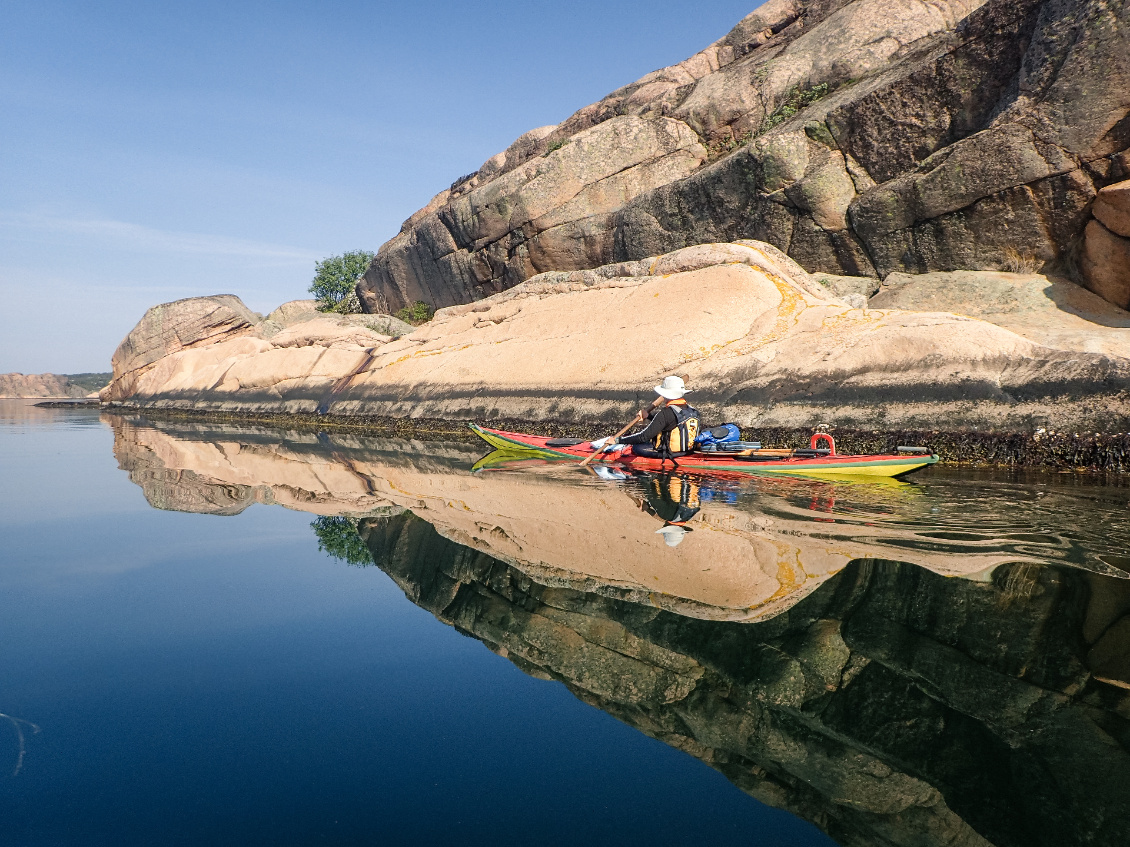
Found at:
[671, 429]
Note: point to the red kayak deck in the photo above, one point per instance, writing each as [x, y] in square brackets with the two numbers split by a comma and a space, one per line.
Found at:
[889, 465]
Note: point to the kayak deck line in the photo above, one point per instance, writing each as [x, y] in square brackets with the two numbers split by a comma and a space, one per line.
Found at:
[882, 465]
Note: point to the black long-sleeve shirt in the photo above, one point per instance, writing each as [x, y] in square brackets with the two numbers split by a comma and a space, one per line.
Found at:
[662, 420]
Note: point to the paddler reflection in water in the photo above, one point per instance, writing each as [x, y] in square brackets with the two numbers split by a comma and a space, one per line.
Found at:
[674, 500]
[671, 429]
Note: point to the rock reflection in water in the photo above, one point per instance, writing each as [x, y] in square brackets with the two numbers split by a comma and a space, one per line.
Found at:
[755, 548]
[891, 706]
[777, 641]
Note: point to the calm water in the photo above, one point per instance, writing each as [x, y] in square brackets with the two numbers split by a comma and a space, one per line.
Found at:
[518, 656]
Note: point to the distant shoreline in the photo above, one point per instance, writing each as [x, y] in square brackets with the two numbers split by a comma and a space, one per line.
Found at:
[62, 402]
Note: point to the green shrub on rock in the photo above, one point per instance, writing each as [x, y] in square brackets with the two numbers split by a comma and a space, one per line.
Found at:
[335, 279]
[338, 536]
[795, 101]
[416, 314]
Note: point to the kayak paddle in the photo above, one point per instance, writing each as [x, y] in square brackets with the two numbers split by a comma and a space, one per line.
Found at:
[639, 418]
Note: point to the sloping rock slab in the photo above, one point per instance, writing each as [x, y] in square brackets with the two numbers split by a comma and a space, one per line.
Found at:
[1049, 311]
[758, 339]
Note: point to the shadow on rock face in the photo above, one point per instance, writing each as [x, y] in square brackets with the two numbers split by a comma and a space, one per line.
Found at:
[890, 706]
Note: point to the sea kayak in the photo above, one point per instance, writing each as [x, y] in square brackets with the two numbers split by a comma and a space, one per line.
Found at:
[828, 463]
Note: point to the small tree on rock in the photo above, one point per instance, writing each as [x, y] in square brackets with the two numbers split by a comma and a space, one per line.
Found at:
[337, 535]
[335, 280]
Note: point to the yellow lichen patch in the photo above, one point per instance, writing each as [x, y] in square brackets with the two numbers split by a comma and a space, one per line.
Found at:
[792, 305]
[790, 577]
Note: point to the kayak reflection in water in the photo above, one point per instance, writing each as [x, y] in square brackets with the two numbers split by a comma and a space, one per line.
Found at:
[671, 429]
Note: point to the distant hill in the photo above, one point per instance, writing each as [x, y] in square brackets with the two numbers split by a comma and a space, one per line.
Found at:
[89, 381]
[31, 386]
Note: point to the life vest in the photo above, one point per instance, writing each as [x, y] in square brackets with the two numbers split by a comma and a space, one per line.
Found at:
[680, 440]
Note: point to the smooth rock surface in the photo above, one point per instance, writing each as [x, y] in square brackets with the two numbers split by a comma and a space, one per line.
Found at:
[171, 327]
[862, 137]
[1052, 312]
[758, 338]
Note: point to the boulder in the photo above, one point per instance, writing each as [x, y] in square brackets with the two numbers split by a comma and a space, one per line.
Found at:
[171, 327]
[1106, 264]
[862, 137]
[380, 324]
[206, 348]
[293, 311]
[327, 332]
[847, 286]
[1112, 208]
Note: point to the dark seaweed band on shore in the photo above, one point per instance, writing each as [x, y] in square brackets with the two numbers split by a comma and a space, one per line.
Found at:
[1053, 451]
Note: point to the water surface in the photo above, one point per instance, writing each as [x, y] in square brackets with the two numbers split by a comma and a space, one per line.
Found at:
[812, 662]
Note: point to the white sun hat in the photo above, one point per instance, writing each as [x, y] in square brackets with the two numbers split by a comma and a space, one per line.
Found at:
[672, 388]
[672, 535]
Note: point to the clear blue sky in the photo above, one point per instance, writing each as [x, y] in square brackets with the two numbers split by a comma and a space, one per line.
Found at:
[153, 151]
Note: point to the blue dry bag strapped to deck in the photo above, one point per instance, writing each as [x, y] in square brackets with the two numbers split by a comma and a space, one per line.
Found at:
[708, 439]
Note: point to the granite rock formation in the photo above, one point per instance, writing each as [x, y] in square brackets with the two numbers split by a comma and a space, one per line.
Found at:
[1106, 245]
[172, 327]
[39, 386]
[764, 344]
[890, 707]
[206, 341]
[861, 137]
